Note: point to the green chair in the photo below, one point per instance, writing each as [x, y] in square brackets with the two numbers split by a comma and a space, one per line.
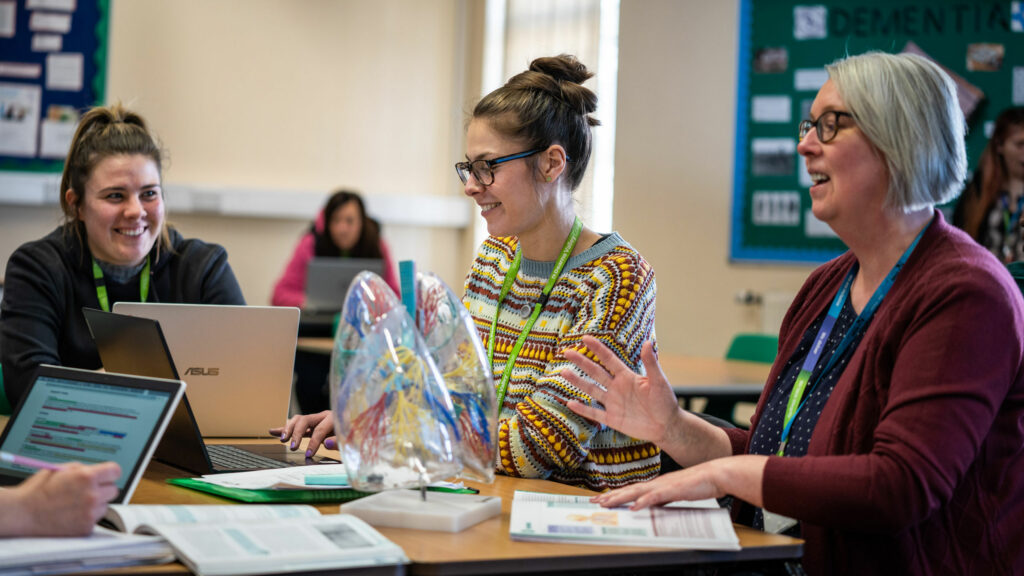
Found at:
[746, 347]
[760, 348]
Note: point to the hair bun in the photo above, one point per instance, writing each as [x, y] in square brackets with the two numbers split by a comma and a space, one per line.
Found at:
[562, 77]
[546, 105]
[564, 67]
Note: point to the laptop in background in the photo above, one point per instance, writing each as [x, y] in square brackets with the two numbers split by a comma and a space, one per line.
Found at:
[137, 344]
[84, 416]
[328, 279]
[232, 357]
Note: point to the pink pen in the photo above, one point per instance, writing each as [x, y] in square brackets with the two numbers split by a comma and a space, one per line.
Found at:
[29, 462]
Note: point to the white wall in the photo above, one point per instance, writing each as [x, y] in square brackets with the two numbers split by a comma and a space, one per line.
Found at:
[292, 98]
[673, 169]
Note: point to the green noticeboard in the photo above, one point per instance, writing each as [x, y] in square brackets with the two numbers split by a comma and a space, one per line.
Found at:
[784, 46]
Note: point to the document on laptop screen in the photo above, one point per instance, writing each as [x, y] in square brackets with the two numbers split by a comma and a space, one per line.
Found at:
[88, 422]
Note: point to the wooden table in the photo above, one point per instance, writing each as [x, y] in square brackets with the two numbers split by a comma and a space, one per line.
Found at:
[487, 548]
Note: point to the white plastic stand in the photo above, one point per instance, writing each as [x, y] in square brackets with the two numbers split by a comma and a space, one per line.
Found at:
[440, 512]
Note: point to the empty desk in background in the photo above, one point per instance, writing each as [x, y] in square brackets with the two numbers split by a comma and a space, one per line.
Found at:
[701, 377]
[690, 376]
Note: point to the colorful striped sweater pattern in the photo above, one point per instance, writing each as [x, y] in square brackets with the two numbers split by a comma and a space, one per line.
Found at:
[607, 292]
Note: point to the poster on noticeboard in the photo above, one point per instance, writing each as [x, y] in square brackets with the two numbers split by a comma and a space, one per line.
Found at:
[52, 67]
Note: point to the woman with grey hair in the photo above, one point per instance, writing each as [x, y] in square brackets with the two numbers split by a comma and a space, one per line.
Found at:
[889, 434]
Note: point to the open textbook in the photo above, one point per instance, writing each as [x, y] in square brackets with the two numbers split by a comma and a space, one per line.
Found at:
[259, 539]
[544, 517]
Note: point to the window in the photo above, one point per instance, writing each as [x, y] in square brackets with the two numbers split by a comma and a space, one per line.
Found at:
[519, 31]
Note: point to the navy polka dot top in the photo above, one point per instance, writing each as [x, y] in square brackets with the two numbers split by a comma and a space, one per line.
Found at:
[768, 434]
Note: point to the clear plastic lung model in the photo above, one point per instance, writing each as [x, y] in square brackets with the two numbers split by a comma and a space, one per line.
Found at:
[453, 341]
[411, 406]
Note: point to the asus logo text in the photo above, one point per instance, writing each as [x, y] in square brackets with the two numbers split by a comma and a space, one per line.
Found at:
[197, 371]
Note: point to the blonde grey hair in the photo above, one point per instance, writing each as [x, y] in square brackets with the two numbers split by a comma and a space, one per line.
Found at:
[907, 107]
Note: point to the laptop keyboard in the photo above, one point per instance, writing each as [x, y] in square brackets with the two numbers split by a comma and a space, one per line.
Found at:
[226, 457]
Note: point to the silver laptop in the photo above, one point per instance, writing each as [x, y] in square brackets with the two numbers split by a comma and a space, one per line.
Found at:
[327, 280]
[237, 361]
[72, 415]
[134, 345]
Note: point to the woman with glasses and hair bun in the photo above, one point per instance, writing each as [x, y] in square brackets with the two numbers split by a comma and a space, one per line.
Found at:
[542, 280]
[114, 245]
[889, 434]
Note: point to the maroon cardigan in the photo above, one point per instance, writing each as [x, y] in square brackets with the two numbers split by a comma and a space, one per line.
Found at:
[916, 465]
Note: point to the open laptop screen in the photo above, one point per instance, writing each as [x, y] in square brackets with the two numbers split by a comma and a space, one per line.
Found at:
[328, 279]
[89, 417]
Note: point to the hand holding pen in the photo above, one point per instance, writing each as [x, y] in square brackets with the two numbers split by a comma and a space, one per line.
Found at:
[59, 499]
[27, 462]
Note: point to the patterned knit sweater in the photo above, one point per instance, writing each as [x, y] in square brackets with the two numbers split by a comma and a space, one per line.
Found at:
[606, 291]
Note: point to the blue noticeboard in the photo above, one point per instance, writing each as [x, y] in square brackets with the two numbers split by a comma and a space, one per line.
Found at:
[53, 57]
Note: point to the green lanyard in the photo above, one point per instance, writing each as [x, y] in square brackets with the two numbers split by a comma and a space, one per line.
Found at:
[510, 278]
[101, 285]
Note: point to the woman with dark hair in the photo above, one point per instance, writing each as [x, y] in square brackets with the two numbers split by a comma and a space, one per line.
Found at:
[342, 230]
[114, 245]
[991, 206]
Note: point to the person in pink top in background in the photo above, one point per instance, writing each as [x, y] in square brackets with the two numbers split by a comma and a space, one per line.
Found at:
[342, 230]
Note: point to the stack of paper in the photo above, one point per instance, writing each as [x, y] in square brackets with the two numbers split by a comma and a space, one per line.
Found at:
[315, 483]
[102, 550]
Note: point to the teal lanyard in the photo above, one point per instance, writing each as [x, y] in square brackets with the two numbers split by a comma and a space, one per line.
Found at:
[796, 396]
[101, 285]
[510, 278]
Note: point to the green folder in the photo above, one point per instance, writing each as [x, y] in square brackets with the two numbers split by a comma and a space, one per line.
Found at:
[271, 496]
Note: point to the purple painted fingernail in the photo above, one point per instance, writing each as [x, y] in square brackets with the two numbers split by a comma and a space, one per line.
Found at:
[284, 436]
[309, 453]
[293, 445]
[330, 444]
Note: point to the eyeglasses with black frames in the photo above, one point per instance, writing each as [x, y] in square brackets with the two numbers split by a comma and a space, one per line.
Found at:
[483, 170]
[827, 125]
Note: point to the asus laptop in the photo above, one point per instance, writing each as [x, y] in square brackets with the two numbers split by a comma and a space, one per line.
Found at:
[237, 360]
[128, 343]
[72, 415]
